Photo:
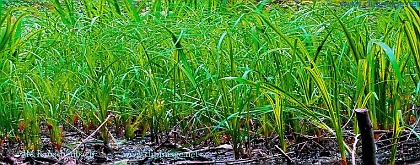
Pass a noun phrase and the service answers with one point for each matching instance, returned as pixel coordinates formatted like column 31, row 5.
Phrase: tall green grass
column 164, row 65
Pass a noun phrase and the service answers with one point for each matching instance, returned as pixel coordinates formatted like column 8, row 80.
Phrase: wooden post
column 366, row 131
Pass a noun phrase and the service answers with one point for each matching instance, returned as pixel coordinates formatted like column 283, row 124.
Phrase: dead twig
column 353, row 152
column 289, row 160
column 86, row 139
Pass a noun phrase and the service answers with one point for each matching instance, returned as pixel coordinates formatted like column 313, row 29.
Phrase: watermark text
column 384, row 4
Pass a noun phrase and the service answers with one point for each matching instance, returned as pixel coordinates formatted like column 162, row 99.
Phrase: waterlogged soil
column 172, row 149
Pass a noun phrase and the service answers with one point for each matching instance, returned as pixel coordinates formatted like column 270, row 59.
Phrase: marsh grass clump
column 212, row 72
